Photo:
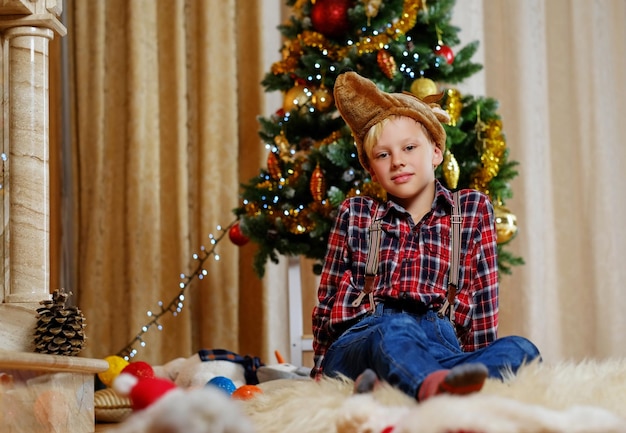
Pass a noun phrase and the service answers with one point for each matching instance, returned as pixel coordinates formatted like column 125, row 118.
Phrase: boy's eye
column 381, row 155
column 410, row 147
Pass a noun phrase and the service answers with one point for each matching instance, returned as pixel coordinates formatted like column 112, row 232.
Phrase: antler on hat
column 362, row 105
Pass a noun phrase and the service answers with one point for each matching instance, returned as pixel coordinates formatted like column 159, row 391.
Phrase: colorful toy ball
column 139, row 369
column 223, row 383
column 246, row 392
column 142, row 391
column 116, row 365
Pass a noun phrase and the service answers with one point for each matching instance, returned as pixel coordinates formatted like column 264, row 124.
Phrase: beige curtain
column 557, row 67
column 162, row 108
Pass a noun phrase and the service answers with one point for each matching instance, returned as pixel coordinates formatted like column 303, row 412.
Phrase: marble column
column 25, row 159
column 26, row 29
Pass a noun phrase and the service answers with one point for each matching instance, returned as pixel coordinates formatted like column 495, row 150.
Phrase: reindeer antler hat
column 362, row 105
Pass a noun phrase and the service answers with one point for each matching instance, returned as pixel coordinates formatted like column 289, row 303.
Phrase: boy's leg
column 402, row 349
column 503, row 357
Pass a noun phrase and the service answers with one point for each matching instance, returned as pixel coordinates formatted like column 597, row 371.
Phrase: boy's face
column 403, row 160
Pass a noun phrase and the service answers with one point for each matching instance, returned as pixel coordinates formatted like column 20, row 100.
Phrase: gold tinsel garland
column 367, row 44
column 492, row 149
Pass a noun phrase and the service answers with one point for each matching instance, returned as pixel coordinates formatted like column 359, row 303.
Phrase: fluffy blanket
column 585, row 397
column 568, row 397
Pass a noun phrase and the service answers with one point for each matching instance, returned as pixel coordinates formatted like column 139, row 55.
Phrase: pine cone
column 60, row 330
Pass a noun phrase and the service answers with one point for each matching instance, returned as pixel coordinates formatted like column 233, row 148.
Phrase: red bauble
column 330, row 17
column 236, row 236
column 445, row 52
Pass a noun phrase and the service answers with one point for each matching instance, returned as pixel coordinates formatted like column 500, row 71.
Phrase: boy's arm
column 484, row 324
column 334, row 270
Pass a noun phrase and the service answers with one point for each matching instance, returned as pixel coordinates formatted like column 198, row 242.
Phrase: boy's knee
column 530, row 351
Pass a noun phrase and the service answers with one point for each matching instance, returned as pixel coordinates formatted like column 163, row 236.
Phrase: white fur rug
column 568, row 398
column 587, row 397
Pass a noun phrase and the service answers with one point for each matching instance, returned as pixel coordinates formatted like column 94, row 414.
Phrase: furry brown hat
column 362, row 105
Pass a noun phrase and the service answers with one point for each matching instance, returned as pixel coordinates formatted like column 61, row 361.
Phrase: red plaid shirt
column 413, row 266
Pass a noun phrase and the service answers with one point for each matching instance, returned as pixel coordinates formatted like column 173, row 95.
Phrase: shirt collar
column 390, row 210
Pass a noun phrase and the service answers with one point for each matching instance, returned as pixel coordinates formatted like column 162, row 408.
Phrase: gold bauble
column 322, row 99
column 450, row 169
column 295, row 97
column 506, row 224
column 423, row 87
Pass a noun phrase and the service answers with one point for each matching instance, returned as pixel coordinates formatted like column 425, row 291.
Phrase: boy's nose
column 397, row 160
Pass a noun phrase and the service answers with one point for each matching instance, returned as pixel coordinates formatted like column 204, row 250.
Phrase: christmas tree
column 401, row 45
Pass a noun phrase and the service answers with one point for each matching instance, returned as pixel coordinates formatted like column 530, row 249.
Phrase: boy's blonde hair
column 372, row 136
column 363, row 105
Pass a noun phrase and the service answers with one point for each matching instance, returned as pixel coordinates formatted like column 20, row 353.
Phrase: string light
column 175, row 306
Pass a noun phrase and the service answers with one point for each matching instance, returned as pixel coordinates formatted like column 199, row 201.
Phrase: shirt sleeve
column 335, row 268
column 484, row 322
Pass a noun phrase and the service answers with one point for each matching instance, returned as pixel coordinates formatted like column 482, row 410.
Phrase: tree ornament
column 453, row 105
column 322, row 99
column 423, row 87
column 492, row 147
column 318, row 184
column 60, row 330
column 386, row 63
column 445, row 52
column 330, row 17
column 451, row 170
column 371, row 8
column 295, row 97
column 273, row 166
column 506, row 224
column 283, row 146
column 236, row 236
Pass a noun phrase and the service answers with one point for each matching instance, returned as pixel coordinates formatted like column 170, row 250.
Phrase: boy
column 400, row 323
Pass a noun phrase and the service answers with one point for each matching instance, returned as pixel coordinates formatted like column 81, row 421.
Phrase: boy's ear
column 437, row 156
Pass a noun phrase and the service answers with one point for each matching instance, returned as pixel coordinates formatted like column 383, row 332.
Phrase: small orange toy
column 246, row 392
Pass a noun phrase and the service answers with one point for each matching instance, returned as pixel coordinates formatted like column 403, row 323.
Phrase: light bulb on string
column 175, row 305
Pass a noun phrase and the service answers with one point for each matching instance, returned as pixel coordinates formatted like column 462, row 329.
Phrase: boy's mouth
column 401, row 177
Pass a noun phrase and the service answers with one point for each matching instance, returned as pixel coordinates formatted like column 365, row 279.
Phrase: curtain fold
column 155, row 135
column 557, row 68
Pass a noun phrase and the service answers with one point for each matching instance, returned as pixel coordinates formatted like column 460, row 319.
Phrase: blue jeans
column 403, row 348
